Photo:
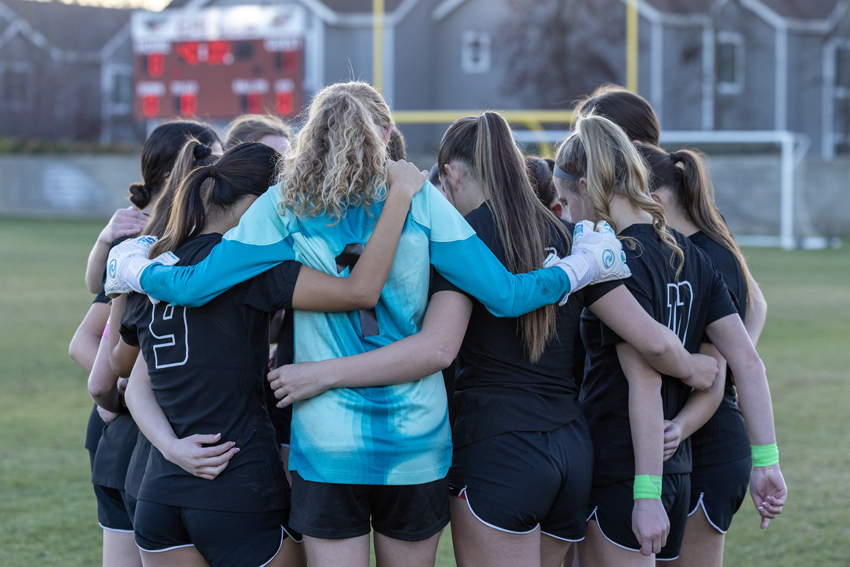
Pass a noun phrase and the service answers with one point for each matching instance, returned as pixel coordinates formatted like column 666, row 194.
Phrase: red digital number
column 188, row 104
column 283, row 103
column 255, row 103
column 150, row 105
column 218, row 50
column 288, row 60
column 156, row 64
column 188, row 52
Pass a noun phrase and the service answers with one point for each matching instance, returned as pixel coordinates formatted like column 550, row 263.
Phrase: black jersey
column 686, row 305
column 724, row 437
column 496, row 388
column 207, row 369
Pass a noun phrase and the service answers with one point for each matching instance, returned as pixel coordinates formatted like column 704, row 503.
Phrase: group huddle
column 556, row 355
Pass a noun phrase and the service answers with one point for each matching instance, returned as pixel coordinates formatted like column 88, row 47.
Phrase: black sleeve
column 133, row 312
column 272, row 290
column 439, row 283
column 721, row 303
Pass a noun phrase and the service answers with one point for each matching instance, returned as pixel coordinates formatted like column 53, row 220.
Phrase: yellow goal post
column 531, row 119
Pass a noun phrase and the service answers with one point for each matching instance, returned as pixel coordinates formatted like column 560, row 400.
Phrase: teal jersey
column 395, row 434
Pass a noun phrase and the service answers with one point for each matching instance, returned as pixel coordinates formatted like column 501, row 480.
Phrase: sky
column 154, row 5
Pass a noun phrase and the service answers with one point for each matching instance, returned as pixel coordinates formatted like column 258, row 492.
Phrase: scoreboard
column 218, row 63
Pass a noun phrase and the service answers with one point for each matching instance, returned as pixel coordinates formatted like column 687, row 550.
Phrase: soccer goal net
column 757, row 176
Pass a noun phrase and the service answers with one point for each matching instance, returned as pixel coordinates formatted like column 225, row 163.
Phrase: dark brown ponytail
column 683, row 174
column 246, row 169
column 525, row 227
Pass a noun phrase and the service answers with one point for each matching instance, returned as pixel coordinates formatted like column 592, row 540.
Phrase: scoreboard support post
column 378, row 45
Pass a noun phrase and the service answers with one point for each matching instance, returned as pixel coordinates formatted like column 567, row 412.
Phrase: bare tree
column 558, row 50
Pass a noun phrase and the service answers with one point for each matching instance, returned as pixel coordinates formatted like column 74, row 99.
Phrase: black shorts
column 720, row 490
column 112, row 510
column 517, row 481
column 413, row 512
column 612, row 507
column 237, row 539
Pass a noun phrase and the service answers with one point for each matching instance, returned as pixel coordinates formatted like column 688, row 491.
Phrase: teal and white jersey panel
column 384, row 435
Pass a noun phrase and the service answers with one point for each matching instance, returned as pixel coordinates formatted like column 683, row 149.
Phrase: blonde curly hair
column 339, row 158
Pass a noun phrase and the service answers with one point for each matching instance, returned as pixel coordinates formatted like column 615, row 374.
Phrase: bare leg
column 180, row 557
column 597, row 551
column 349, row 552
column 478, row 545
column 290, row 554
column 391, row 552
column 555, row 552
column 120, row 550
column 702, row 546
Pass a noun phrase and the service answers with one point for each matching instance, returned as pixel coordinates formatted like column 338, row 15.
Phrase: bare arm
column 103, row 383
column 657, row 344
column 122, row 356
column 190, row 453
column 767, row 486
column 756, row 311
column 317, row 291
column 123, row 223
column 646, row 418
column 86, row 340
column 411, row 358
column 699, row 408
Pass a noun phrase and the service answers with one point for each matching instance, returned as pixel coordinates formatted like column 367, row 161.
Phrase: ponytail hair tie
column 201, row 151
column 675, row 157
column 211, row 171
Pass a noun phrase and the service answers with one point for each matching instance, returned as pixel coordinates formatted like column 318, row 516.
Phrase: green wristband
column 765, row 455
column 647, row 486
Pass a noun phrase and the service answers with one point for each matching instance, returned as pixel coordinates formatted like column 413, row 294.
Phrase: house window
column 16, row 85
column 842, row 67
column 475, row 52
column 122, row 88
column 730, row 63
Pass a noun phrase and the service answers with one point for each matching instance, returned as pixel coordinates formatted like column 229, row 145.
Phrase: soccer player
column 624, row 400
column 376, row 457
column 110, row 453
column 207, row 369
column 721, row 449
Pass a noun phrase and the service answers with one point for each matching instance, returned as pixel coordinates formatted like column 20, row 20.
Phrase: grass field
column 48, row 511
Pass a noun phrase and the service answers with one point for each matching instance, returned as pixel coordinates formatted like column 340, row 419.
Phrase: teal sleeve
column 464, row 260
column 257, row 244
column 472, row 267
column 230, row 263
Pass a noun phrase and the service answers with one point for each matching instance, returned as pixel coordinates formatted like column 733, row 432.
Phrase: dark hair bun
column 201, row 151
column 140, row 195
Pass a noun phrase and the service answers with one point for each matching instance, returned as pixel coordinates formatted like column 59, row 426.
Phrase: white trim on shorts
column 292, row 537
column 561, row 538
column 283, row 534
column 115, row 530
column 166, row 549
column 598, row 525
column 701, row 502
column 462, row 495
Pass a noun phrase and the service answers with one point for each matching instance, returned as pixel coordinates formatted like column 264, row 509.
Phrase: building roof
column 71, row 26
column 793, row 9
column 339, row 6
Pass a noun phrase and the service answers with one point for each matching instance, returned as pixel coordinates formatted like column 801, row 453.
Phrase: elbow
column 366, row 298
column 657, row 348
column 97, row 391
column 445, row 357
